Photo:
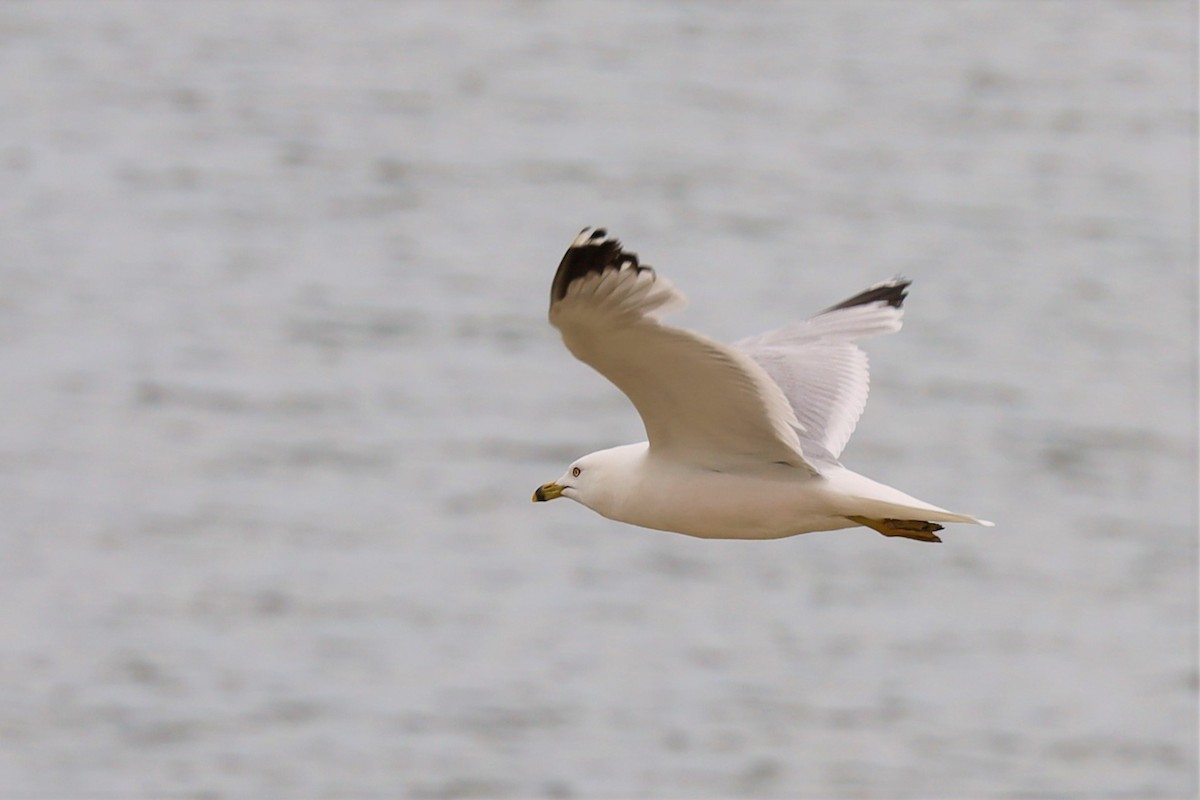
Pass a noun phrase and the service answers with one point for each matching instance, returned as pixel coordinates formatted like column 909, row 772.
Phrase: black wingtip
column 592, row 251
column 891, row 292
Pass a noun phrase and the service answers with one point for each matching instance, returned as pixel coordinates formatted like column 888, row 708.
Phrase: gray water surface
column 278, row 384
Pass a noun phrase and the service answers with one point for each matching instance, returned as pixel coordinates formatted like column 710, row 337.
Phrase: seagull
column 743, row 440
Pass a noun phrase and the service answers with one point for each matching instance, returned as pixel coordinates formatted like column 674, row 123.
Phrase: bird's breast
column 724, row 505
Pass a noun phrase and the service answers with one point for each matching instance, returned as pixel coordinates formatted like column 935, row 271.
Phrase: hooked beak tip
column 547, row 491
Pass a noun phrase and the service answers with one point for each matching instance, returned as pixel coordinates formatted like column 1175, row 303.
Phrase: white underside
column 670, row 496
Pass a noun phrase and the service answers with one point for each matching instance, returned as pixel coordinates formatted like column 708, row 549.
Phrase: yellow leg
column 908, row 528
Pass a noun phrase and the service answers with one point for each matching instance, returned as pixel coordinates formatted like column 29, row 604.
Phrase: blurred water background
column 277, row 386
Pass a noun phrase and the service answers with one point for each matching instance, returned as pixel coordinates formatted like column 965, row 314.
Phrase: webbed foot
column 920, row 530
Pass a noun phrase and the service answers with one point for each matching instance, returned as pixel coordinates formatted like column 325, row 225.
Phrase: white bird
column 743, row 439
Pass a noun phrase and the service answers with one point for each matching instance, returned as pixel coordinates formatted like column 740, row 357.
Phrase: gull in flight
column 743, row 439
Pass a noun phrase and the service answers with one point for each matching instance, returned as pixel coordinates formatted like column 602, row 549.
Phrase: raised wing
column 824, row 375
column 701, row 401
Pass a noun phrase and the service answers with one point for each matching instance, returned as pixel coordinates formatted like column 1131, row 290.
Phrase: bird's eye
column 575, row 472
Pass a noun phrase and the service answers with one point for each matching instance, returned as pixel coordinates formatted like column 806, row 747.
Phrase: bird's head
column 596, row 480
column 574, row 483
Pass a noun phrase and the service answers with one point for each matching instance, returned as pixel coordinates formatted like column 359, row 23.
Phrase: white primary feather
column 702, row 402
column 823, row 374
